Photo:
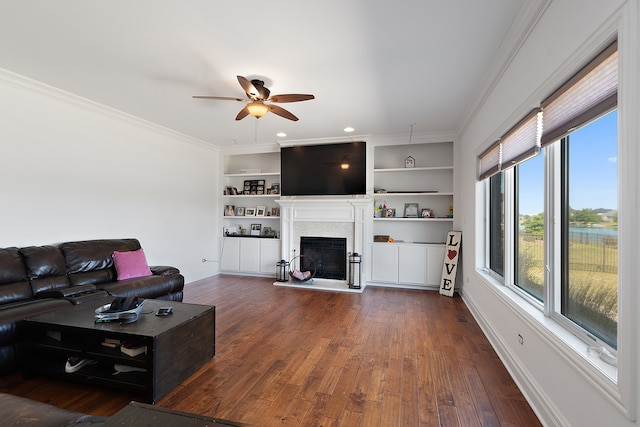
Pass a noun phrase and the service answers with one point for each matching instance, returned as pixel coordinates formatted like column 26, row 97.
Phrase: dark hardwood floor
column 295, row 357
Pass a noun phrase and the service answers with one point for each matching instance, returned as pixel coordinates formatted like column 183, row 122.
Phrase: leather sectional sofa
column 39, row 279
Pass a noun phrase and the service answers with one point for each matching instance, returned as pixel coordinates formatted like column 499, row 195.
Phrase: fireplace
column 346, row 219
column 325, row 255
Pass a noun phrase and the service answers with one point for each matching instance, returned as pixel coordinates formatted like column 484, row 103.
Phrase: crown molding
column 21, row 82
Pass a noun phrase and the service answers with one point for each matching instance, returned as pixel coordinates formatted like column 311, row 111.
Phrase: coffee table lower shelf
column 177, row 346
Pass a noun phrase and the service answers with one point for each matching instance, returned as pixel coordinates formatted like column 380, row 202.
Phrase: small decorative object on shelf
column 379, row 209
column 410, row 210
column 426, row 213
column 409, row 162
column 355, row 270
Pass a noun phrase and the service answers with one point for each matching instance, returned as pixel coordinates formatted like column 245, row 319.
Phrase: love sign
column 450, row 267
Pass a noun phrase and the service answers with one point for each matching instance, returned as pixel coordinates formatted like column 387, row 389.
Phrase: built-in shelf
column 417, row 193
column 251, row 196
column 414, row 219
column 409, row 170
column 248, row 174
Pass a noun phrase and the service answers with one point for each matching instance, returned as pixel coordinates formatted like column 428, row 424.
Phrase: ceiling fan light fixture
column 258, row 109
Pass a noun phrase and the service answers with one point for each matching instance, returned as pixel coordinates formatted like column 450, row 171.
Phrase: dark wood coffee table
column 177, row 345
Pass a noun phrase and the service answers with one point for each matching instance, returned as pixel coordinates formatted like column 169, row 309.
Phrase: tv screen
column 324, row 170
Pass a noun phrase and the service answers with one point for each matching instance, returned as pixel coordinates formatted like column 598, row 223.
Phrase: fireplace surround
column 348, row 218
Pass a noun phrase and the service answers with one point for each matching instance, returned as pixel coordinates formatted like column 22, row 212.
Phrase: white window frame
column 621, row 393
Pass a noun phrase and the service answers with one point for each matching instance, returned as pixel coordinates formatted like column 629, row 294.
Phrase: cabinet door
column 435, row 259
column 412, row 264
column 269, row 255
column 250, row 255
column 384, row 263
column 230, row 259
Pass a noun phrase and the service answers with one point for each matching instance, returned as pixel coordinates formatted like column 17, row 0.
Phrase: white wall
column 73, row 170
column 555, row 380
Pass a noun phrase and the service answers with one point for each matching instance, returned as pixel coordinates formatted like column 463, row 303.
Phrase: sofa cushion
column 14, row 284
column 11, row 315
column 91, row 261
column 131, row 264
column 145, row 287
column 46, row 268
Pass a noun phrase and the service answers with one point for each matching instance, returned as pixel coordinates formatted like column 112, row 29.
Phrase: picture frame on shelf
column 411, row 210
column 230, row 191
column 255, row 229
column 426, row 213
column 260, row 211
column 275, row 211
column 229, row 210
column 389, row 213
column 250, row 212
column 275, row 188
column 240, row 211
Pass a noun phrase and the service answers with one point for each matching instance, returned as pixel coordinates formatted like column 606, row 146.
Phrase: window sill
column 588, row 364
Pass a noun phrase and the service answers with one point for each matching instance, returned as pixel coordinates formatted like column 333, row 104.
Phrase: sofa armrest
column 163, row 270
column 67, row 292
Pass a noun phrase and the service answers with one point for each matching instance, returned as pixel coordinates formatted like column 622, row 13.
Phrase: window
column 590, row 218
column 559, row 202
column 529, row 233
column 496, row 224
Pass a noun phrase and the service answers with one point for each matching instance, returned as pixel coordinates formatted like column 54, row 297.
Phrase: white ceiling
column 379, row 66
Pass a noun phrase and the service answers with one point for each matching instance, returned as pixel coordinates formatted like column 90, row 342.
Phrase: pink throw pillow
column 131, row 264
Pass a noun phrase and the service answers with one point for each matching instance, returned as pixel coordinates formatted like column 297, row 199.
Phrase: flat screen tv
column 324, row 170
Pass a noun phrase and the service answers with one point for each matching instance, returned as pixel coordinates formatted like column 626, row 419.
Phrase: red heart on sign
column 452, row 254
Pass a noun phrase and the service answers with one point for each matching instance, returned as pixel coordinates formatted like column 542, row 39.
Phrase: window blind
column 489, row 161
column 590, row 93
column 521, row 142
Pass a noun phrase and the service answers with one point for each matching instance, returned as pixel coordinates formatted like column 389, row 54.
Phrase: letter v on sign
column 450, row 265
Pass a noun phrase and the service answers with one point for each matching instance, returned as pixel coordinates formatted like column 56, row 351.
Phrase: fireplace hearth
column 326, row 255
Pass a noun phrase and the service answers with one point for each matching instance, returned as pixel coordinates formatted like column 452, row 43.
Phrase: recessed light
column 281, row 134
column 349, row 129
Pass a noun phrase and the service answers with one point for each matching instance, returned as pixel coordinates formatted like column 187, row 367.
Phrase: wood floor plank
column 286, row 356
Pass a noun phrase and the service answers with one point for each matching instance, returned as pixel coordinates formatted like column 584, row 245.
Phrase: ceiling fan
column 258, row 95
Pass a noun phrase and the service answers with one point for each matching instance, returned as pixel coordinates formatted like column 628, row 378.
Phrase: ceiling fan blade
column 224, row 98
column 249, row 88
column 282, row 112
column 242, row 114
column 291, row 97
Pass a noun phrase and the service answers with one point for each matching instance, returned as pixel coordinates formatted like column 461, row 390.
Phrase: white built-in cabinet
column 405, row 175
column 406, row 264
column 249, row 255
column 249, row 183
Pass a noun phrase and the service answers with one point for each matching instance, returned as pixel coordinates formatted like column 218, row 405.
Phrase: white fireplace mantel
column 351, row 217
